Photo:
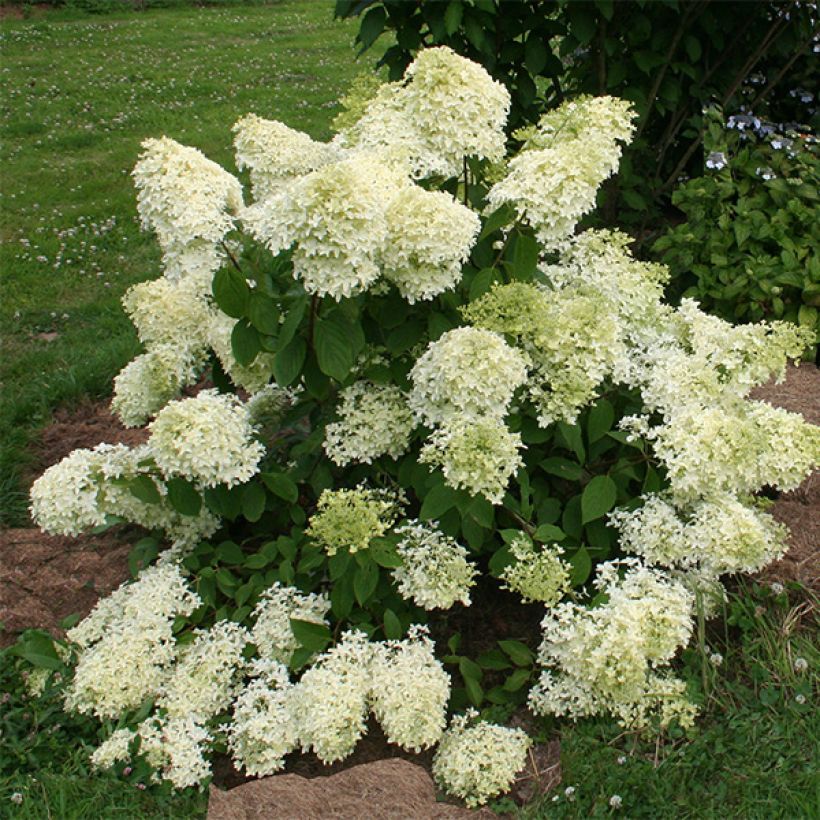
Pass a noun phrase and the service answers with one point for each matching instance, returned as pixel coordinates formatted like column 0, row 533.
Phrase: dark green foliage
column 668, row 57
column 748, row 248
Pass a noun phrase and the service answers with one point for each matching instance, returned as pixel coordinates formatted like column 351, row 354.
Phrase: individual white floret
column 208, row 439
column 479, row 761
column 434, row 572
column 374, row 420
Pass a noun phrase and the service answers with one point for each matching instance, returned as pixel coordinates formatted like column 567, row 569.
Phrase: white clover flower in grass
column 335, row 219
column 479, row 456
column 409, row 691
column 430, row 236
column 349, row 519
column 272, row 632
column 468, row 372
column 330, row 701
column 148, row 382
column 536, row 575
column 606, row 659
column 553, row 181
column 207, row 675
column 208, row 439
column 127, row 647
column 263, row 730
column 477, row 762
column 374, row 420
column 252, row 377
column 188, row 201
column 434, row 572
column 274, row 153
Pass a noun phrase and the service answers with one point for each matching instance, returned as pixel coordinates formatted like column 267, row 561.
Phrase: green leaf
column 365, row 581
column 693, row 48
column 452, row 16
column 535, row 53
column 440, row 499
column 230, row 553
column 183, row 496
column 281, row 485
column 372, row 26
column 253, row 502
column 497, row 219
column 562, row 467
column 405, row 336
column 493, row 659
column 263, row 313
column 474, row 691
column 312, row 636
column 581, row 567
column 469, row 669
column 257, row 561
column 392, row 625
column 288, row 362
column 582, row 21
column 517, row 679
column 144, row 488
column 519, row 653
column 601, row 418
column 549, row 533
column 598, row 498
column 334, row 350
column 525, row 257
column 482, row 512
column 245, row 342
column 292, row 321
column 384, row 553
column 231, row 292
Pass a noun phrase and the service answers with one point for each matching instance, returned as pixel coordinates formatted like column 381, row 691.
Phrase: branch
column 231, row 257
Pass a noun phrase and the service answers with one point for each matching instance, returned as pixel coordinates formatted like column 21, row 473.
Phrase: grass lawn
column 79, row 95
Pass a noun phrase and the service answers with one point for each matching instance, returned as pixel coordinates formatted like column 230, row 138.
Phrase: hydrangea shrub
column 426, row 386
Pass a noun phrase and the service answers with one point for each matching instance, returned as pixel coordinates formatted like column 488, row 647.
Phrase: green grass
column 79, row 95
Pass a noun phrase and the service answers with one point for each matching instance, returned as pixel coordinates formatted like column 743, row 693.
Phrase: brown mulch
column 798, row 510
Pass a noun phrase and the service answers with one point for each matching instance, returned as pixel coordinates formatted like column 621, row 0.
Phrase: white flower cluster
column 374, row 420
column 349, row 519
column 552, row 182
column 89, row 486
column 409, row 691
column 434, row 572
column 476, row 762
column 188, row 201
column 605, row 659
column 540, row 575
column 272, row 631
column 275, row 153
column 447, row 108
column 717, row 536
column 126, row 645
column 208, row 439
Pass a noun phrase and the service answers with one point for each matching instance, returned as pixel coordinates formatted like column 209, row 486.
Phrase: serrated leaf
column 263, row 313
column 598, row 498
column 562, row 467
column 384, row 553
column 549, row 533
column 601, row 418
column 144, row 488
column 437, row 502
column 281, row 485
column 253, row 502
column 230, row 553
column 231, row 292
column 310, row 635
column 525, row 257
column 245, row 343
column 581, row 567
column 289, row 361
column 334, row 351
column 365, row 581
column 519, row 653
column 183, row 496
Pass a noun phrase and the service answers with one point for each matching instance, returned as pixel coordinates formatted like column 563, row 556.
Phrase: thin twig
column 231, row 256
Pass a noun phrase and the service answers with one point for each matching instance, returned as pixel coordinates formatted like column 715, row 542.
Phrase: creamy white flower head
column 469, row 373
column 409, row 691
column 272, row 631
column 434, row 572
column 251, row 377
column 208, row 439
column 187, row 200
column 330, row 702
column 374, row 420
column 335, row 220
column 208, row 673
column 479, row 761
column 605, row 659
column 430, row 238
column 176, row 747
column 126, row 645
column 263, row 730
column 274, row 153
column 148, row 382
column 350, row 519
column 553, row 181
column 169, row 313
column 540, row 575
column 115, row 749
column 479, row 456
